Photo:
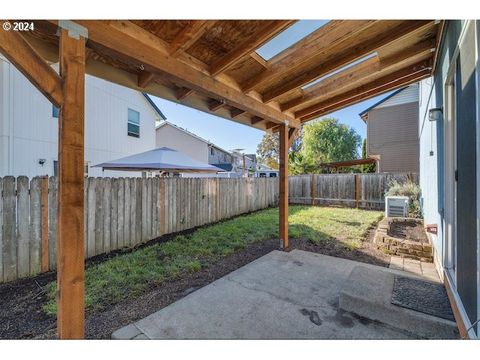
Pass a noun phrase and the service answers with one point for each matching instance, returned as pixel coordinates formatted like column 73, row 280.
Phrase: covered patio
column 211, row 66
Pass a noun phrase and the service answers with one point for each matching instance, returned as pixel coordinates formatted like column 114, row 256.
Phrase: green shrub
column 410, row 189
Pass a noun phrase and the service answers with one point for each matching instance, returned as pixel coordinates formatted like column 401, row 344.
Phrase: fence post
column 358, row 190
column 45, row 261
column 313, row 188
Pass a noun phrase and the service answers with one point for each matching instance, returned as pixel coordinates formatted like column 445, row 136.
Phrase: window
column 133, row 123
column 55, row 111
column 273, row 175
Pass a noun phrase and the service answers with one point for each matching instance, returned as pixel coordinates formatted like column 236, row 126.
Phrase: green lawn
column 131, row 274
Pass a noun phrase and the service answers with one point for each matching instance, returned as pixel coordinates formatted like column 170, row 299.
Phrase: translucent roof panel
column 369, row 56
column 288, row 37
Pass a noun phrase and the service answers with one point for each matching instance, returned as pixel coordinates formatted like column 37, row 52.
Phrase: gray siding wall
column 392, row 133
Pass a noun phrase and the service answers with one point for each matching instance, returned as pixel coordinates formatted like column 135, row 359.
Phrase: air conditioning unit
column 396, row 206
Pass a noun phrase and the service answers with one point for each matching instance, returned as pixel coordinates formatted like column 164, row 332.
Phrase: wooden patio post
column 70, row 243
column 284, row 146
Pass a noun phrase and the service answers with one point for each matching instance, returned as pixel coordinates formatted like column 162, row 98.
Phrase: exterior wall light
column 435, row 114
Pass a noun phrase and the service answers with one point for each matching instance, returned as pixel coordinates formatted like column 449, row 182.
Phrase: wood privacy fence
column 366, row 191
column 125, row 212
column 119, row 213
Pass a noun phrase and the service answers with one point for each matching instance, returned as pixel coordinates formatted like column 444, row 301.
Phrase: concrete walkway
column 278, row 296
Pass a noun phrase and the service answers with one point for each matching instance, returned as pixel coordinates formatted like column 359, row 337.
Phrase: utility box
column 396, row 206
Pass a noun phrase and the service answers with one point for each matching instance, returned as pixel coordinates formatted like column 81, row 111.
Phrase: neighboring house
column 392, row 136
column 265, row 171
column 244, row 164
column 449, row 131
column 175, row 137
column 118, row 122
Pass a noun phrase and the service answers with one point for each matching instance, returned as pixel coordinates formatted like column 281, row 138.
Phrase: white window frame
column 132, row 134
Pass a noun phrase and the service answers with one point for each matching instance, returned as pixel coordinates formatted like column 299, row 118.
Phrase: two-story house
column 392, row 131
column 177, row 138
column 118, row 122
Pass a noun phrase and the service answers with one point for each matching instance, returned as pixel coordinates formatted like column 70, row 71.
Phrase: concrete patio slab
column 368, row 293
column 281, row 295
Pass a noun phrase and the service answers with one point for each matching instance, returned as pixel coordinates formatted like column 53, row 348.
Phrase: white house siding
column 29, row 132
column 429, row 169
column 409, row 95
column 170, row 136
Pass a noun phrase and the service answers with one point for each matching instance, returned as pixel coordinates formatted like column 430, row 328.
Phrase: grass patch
column 131, row 274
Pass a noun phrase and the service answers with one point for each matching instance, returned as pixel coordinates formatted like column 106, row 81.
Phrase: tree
column 298, row 164
column 327, row 140
column 268, row 149
column 367, row 168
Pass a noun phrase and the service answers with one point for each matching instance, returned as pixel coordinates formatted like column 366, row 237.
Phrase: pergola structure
column 211, row 66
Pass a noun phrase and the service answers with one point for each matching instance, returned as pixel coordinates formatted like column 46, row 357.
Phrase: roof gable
column 404, row 95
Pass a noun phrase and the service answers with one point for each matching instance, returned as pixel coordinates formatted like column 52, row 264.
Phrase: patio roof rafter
column 297, row 77
column 133, row 43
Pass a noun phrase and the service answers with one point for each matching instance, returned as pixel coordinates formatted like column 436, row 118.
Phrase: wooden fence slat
column 138, row 210
column 99, row 216
column 106, row 207
column 52, row 221
column 37, row 249
column 91, row 208
column 124, row 212
column 9, row 225
column 23, row 227
column 114, row 214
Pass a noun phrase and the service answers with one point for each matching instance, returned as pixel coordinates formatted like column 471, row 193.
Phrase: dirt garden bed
column 405, row 237
column 23, row 316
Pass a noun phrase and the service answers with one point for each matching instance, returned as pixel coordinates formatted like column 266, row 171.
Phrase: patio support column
column 283, row 206
column 70, row 232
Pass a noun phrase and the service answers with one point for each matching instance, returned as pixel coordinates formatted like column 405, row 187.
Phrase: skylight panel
column 288, row 37
column 365, row 58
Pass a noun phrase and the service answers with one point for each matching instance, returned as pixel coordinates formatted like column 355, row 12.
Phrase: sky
column 230, row 135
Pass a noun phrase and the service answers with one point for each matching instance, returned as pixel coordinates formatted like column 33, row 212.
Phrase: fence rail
column 125, row 212
column 119, row 213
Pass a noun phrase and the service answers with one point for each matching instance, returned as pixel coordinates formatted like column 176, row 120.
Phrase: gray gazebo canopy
column 161, row 159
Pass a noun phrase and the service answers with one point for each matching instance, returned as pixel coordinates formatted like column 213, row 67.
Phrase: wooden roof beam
column 362, row 71
column 255, row 120
column 189, row 36
column 144, row 78
column 216, row 105
column 236, row 112
column 19, row 52
column 265, row 33
column 183, row 93
column 132, row 42
column 326, row 36
column 389, row 82
column 351, row 54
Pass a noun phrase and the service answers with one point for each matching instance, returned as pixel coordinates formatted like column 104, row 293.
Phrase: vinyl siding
column 408, row 95
column 28, row 132
column 392, row 133
column 177, row 139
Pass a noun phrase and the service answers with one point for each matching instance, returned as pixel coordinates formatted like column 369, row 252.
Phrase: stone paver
column 419, row 268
